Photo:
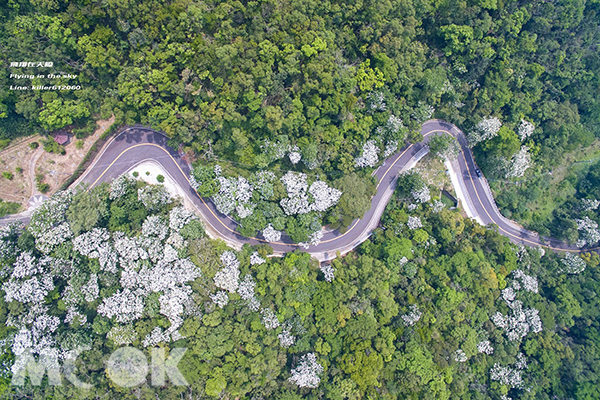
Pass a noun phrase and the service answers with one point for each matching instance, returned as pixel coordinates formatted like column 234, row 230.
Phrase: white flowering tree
column 228, row 277
column 485, row 347
column 506, row 375
column 324, row 196
column 421, row 194
column 256, row 259
column 376, row 101
column 221, row 298
column 154, row 197
column 306, row 373
column 294, row 155
column 414, row 222
column 369, row 156
column 234, row 195
column 589, row 232
column 518, row 164
column 460, row 356
column 525, row 129
column 413, row 316
column 269, row 319
column 286, row 339
column 328, row 272
column 486, row 129
column 520, row 320
column 573, row 264
column 589, row 204
column 270, row 234
column 134, row 269
column 120, row 186
column 390, row 147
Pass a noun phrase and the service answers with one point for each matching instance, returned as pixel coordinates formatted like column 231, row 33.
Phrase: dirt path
column 32, row 162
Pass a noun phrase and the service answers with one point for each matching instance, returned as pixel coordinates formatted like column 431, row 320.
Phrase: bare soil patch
column 26, row 163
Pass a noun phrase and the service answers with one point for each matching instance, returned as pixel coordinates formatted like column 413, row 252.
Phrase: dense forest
column 326, row 76
column 433, row 306
column 286, row 108
column 329, row 82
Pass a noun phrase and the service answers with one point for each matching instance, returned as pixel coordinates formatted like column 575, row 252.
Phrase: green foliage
column 34, row 145
column 43, row 187
column 355, row 201
column 7, row 175
column 160, row 178
column 451, row 269
column 52, row 147
column 8, row 208
column 369, row 78
column 505, row 144
column 88, row 209
column 444, row 146
column 205, row 176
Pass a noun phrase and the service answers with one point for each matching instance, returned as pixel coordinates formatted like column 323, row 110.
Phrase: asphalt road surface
column 138, row 144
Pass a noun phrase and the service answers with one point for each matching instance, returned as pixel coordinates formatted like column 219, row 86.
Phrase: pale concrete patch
column 461, row 191
column 148, row 171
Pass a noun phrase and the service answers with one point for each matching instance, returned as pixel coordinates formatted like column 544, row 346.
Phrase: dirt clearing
column 25, row 164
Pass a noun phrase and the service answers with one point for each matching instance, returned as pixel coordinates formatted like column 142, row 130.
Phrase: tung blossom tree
column 270, row 234
column 306, row 374
column 573, row 264
column 589, row 232
column 525, row 129
column 486, row 129
column 323, row 195
column 413, row 316
column 228, row 277
column 518, row 164
column 369, row 156
column 485, row 347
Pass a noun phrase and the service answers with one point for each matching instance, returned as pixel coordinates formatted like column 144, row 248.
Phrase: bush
column 52, row 147
column 8, row 175
column 7, row 208
column 19, row 170
column 34, row 145
column 86, row 130
column 160, row 178
column 4, row 143
column 136, row 174
column 79, row 144
column 43, row 187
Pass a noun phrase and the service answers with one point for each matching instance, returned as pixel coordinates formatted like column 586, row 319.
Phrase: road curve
column 135, row 144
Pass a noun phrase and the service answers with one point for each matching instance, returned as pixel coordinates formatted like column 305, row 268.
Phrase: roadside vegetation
column 431, row 306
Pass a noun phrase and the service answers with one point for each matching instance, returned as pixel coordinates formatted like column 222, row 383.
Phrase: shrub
column 79, row 144
column 7, row 208
column 52, row 147
column 43, row 187
column 136, row 174
column 160, row 178
column 34, row 145
column 19, row 170
column 7, row 175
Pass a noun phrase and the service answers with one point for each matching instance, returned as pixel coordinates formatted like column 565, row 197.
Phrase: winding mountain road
column 138, row 144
